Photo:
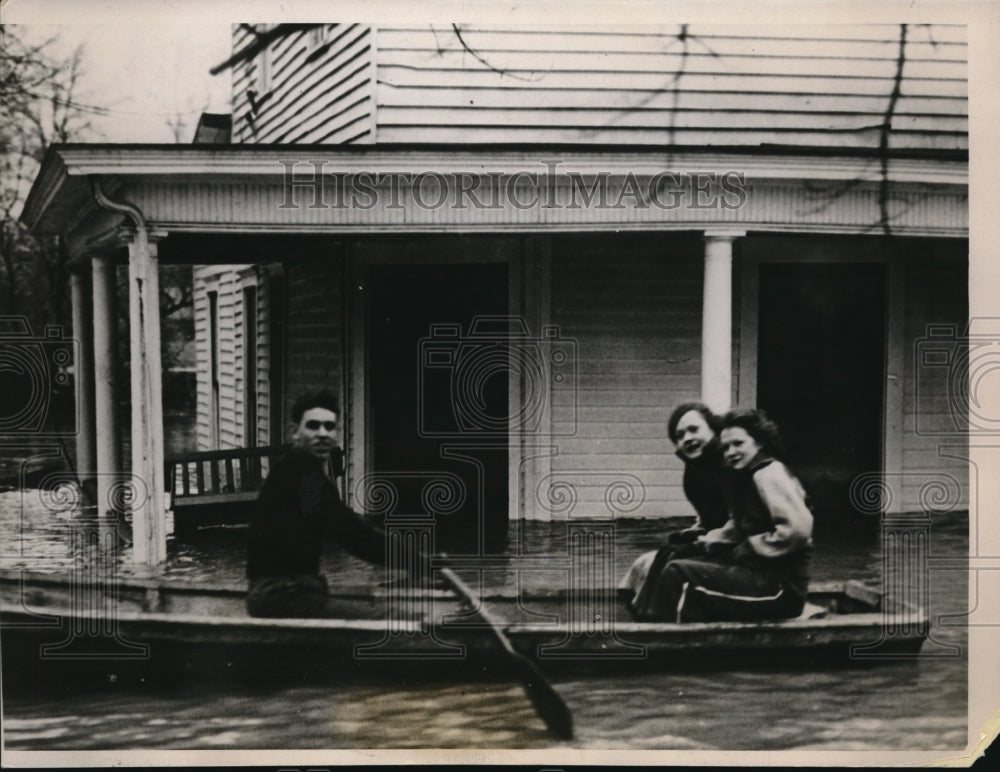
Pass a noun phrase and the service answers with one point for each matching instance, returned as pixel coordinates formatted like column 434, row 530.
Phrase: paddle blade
column 547, row 702
column 552, row 709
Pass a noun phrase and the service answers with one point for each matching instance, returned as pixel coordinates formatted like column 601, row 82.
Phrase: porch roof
column 61, row 198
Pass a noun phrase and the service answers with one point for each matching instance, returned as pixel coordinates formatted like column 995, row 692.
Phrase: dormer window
column 262, row 77
column 317, row 37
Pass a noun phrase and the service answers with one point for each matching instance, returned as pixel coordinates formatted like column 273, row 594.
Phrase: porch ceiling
column 240, row 187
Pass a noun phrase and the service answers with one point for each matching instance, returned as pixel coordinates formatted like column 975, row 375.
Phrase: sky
column 147, row 76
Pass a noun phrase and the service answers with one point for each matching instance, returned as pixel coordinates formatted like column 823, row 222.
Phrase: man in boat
column 299, row 504
column 693, row 428
column 756, row 566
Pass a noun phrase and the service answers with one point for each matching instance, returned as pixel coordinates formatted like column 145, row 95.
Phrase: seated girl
column 756, row 566
column 693, row 428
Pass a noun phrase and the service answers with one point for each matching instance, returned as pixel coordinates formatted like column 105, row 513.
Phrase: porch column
column 83, row 379
column 109, row 461
column 148, row 512
column 717, row 320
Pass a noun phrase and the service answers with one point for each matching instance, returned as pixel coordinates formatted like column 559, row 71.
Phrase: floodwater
column 892, row 705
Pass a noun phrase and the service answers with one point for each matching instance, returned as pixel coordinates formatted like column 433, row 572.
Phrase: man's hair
column 756, row 423
column 318, row 398
column 679, row 412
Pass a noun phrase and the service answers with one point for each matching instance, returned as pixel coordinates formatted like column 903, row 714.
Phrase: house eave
column 61, row 187
column 49, row 183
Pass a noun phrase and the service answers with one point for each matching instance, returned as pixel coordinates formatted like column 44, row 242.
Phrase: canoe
column 145, row 627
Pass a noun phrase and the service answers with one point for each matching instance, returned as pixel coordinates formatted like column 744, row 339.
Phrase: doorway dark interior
column 438, row 426
column 820, row 371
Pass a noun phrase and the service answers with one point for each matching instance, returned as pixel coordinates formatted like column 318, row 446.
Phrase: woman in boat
column 756, row 566
column 693, row 428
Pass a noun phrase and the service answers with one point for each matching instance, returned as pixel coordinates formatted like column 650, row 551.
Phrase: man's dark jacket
column 297, row 506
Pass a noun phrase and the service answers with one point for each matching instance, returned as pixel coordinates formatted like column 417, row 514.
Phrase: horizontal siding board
column 940, row 33
column 697, row 84
column 635, row 368
column 585, row 118
column 593, row 446
column 638, row 354
column 534, row 67
column 727, row 136
column 785, row 81
column 623, row 416
column 518, row 97
column 654, row 428
column 611, row 379
column 774, row 39
column 612, row 463
column 625, row 398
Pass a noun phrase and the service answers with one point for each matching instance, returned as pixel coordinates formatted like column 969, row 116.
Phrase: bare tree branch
column 885, row 131
column 37, row 107
column 482, row 60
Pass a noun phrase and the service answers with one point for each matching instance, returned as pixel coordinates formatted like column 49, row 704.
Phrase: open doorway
column 438, row 401
column 820, row 372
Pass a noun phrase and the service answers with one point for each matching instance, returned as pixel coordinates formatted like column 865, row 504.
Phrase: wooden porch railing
column 216, row 487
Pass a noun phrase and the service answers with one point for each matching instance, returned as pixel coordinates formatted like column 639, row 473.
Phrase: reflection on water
column 359, row 716
column 913, row 705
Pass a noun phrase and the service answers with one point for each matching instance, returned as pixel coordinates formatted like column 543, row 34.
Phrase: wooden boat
column 145, row 627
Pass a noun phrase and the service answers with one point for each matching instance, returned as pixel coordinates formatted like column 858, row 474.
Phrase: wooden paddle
column 549, row 706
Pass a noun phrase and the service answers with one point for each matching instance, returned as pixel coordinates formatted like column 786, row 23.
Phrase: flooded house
column 513, row 251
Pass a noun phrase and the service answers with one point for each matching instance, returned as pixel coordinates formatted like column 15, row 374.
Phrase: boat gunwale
column 181, row 586
column 901, row 612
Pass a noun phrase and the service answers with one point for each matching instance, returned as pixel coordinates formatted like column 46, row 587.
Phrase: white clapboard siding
column 629, row 89
column 789, row 85
column 234, row 372
column 229, row 338
column 531, row 67
column 875, row 39
column 200, row 287
column 632, row 304
column 607, row 99
column 263, row 354
column 797, row 85
column 227, row 282
column 324, row 96
column 936, row 281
